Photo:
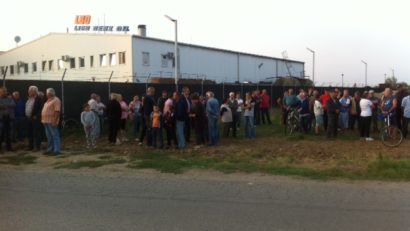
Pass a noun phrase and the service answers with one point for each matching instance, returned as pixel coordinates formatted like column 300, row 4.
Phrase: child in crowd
column 156, row 127
column 88, row 119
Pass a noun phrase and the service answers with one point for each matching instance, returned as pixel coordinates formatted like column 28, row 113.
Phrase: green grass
column 382, row 168
column 19, row 159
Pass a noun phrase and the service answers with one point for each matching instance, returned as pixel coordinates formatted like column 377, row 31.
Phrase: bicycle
column 292, row 121
column 391, row 135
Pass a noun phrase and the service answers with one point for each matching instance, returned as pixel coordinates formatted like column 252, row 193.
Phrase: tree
column 391, row 82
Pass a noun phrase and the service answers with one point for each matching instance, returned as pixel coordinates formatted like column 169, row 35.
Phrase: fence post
column 62, row 94
column 4, row 76
column 109, row 85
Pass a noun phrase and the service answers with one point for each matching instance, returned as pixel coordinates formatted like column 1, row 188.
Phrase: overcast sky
column 341, row 32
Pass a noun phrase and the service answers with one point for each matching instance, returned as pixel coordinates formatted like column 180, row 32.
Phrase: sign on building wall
column 83, row 23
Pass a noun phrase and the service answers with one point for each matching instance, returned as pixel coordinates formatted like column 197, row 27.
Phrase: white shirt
column 240, row 104
column 365, row 107
column 93, row 104
column 318, row 108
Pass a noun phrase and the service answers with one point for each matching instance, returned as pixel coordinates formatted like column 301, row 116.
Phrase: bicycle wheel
column 391, row 136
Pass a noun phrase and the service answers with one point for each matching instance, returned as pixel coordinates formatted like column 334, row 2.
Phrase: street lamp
column 365, row 73
column 313, row 71
column 342, row 80
column 176, row 50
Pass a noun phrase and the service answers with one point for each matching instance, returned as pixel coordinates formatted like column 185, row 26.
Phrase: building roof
column 158, row 40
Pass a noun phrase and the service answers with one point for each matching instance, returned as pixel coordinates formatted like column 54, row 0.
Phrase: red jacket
column 265, row 101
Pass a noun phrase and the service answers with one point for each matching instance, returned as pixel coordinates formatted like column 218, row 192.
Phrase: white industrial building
column 135, row 58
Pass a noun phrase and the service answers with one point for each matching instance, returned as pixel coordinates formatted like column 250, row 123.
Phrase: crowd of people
column 178, row 114
column 335, row 110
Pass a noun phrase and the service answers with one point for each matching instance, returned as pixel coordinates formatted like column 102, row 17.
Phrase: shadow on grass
column 90, row 163
column 19, row 159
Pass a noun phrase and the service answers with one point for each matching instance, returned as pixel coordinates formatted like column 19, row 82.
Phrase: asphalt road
column 65, row 201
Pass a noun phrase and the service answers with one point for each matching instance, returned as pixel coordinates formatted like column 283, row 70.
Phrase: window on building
column 60, row 64
column 50, row 65
column 164, row 61
column 91, row 61
column 26, row 68
column 103, row 60
column 113, row 59
column 81, row 62
column 145, row 58
column 43, row 65
column 72, row 63
column 121, row 57
column 11, row 69
column 34, row 67
column 2, row 70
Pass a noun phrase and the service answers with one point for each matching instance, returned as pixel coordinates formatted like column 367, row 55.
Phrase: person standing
column 376, row 101
column 239, row 110
column 135, row 108
column 346, row 103
column 7, row 106
column 233, row 105
column 212, row 110
column 34, row 106
column 304, row 113
column 198, row 115
column 333, row 110
column 101, row 110
column 50, row 117
column 366, row 107
column 156, row 122
column 162, row 100
column 405, row 104
column 94, row 108
column 19, row 124
column 181, row 114
column 265, row 106
column 226, row 117
column 389, row 106
column 148, row 106
column 318, row 111
column 88, row 119
column 124, row 117
column 114, row 113
column 248, row 107
column 187, row 129
column 324, row 99
column 257, row 109
column 355, row 111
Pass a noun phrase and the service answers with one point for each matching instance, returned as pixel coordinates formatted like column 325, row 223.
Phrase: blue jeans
column 157, row 136
column 344, row 120
column 180, row 133
column 137, row 125
column 53, row 139
column 213, row 130
column 250, row 131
